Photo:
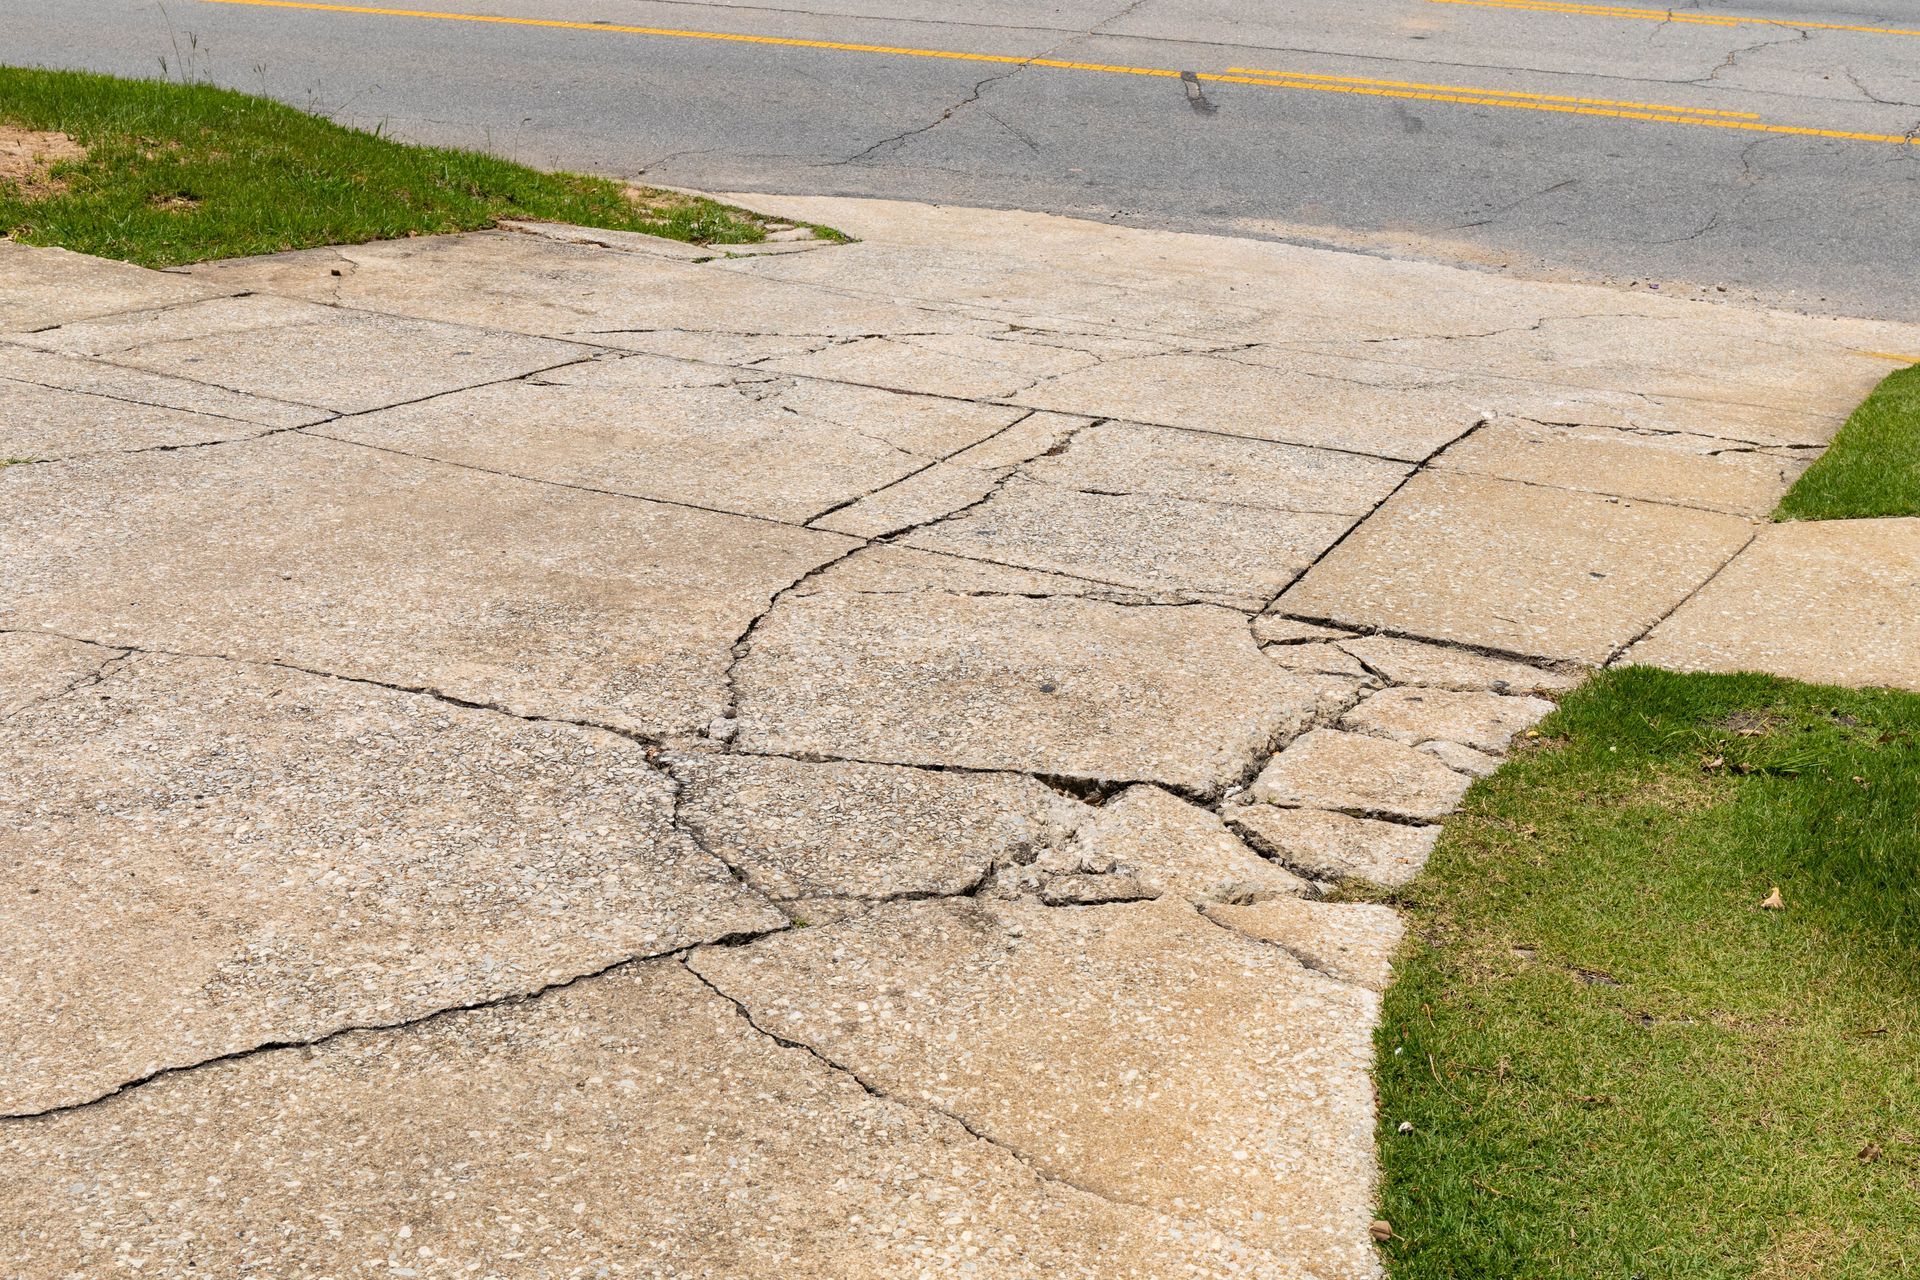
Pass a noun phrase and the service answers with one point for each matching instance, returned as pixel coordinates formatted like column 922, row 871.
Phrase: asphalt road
column 1687, row 150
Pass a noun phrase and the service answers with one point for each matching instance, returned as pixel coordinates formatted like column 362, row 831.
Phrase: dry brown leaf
column 1381, row 1230
column 1773, row 901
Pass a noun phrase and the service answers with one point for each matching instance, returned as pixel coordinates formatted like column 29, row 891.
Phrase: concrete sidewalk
column 532, row 754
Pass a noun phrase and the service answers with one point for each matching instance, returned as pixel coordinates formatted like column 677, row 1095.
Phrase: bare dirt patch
column 27, row 157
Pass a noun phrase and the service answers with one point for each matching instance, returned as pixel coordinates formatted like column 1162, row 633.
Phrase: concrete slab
column 959, row 481
column 797, row 829
column 1188, row 1069
column 887, row 568
column 1170, row 846
column 1516, row 567
column 330, row 357
column 1335, row 846
column 783, row 449
column 1554, row 405
column 525, row 284
column 206, row 856
column 1357, row 406
column 969, row 366
column 42, row 424
column 597, row 1129
column 1834, row 602
column 1690, row 471
column 58, row 405
column 1483, row 721
column 1351, row 941
column 46, row 287
column 1077, row 687
column 1119, row 457
column 1240, row 556
column 1360, row 775
column 1734, row 355
column 543, row 600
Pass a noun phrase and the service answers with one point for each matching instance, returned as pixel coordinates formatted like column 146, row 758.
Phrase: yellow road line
column 1683, row 17
column 1475, row 98
column 1557, row 108
column 1493, row 93
column 1894, row 356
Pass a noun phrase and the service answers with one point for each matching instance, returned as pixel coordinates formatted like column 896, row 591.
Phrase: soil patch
column 27, row 157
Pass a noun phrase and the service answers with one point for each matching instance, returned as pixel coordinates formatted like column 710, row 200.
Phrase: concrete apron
column 533, row 754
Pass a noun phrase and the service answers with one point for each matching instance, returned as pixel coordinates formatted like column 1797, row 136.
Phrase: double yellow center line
column 1507, row 99
column 1683, row 17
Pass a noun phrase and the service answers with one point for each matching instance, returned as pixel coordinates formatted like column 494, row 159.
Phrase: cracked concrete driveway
column 531, row 758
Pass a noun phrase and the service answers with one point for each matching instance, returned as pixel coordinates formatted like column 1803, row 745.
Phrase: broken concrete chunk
column 1483, row 721
column 1134, row 1049
column 1318, row 659
column 1330, row 769
column 799, row 830
column 633, row 1123
column 203, row 856
column 1334, row 846
column 1465, row 759
column 1351, row 941
column 1178, row 848
column 1447, row 667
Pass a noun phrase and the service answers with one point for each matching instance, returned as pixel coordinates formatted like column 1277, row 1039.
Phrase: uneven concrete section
column 1543, row 572
column 330, row 357
column 205, row 856
column 355, row 561
column 1186, row 1070
column 1053, row 685
column 1837, row 602
column 535, row 753
column 635, row 1120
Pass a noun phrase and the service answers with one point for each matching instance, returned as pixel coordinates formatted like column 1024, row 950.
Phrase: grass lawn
column 1873, row 468
column 177, row 173
column 1615, row 1062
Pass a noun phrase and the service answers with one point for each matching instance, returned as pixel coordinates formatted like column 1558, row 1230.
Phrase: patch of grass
column 1615, row 1062
column 178, row 173
column 1873, row 466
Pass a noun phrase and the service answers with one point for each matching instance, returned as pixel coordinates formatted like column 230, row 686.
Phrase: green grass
column 178, row 173
column 1873, row 467
column 1615, row 1063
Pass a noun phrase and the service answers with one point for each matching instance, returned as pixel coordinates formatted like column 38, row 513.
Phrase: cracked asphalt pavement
column 543, row 753
column 1762, row 147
